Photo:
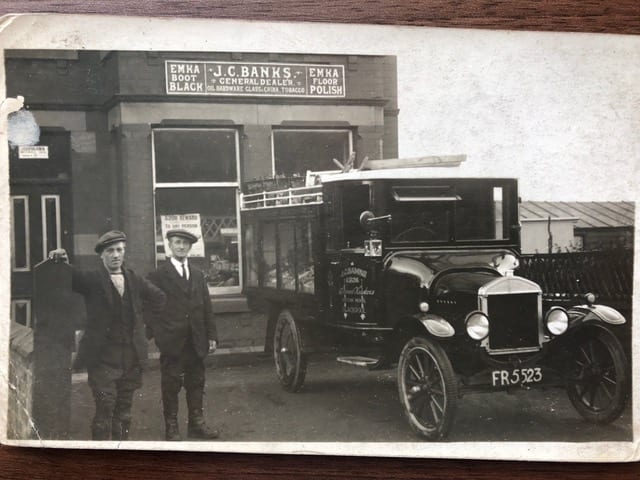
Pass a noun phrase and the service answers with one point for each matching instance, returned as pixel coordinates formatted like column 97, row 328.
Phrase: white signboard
column 189, row 222
column 37, row 151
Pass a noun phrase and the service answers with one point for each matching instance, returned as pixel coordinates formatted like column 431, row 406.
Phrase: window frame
column 43, row 206
column 220, row 185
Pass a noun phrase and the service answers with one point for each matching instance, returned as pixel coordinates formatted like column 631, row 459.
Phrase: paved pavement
column 345, row 403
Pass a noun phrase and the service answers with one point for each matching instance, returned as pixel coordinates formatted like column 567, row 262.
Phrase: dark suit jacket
column 187, row 312
column 96, row 287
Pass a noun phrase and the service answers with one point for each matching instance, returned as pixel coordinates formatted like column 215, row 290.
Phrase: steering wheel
column 418, row 229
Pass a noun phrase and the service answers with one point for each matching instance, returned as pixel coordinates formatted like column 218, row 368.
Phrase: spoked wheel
column 291, row 362
column 427, row 387
column 598, row 378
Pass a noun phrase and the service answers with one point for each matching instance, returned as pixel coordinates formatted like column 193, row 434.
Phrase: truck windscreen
column 443, row 213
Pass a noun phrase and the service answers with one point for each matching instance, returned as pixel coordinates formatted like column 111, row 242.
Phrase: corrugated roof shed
column 589, row 214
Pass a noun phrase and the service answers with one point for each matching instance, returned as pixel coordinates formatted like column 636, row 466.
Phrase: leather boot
column 100, row 431
column 120, row 429
column 198, row 427
column 172, row 432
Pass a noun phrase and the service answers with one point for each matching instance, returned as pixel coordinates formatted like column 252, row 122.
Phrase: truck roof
column 397, row 173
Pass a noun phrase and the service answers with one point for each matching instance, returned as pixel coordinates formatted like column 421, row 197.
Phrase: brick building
column 142, row 141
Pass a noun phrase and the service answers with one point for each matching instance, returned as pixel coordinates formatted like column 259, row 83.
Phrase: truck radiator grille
column 513, row 321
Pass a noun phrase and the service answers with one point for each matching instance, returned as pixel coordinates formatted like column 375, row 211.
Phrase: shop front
column 158, row 140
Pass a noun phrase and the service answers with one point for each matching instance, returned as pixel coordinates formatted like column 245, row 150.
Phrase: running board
column 358, row 361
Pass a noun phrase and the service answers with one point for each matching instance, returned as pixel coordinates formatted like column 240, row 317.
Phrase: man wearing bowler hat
column 114, row 345
column 185, row 333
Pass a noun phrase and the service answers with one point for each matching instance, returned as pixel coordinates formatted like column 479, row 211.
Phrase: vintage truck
column 398, row 263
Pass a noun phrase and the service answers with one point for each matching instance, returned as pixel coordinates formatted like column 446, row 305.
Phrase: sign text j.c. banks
column 254, row 79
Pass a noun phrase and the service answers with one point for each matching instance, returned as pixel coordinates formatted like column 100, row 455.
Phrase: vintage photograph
column 418, row 245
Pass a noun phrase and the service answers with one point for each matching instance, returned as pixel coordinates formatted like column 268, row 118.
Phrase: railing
column 282, row 198
column 568, row 276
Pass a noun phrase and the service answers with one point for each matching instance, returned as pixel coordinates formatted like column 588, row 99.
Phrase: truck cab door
column 351, row 277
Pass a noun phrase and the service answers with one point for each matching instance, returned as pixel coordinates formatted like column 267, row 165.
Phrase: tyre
column 427, row 387
column 291, row 362
column 598, row 381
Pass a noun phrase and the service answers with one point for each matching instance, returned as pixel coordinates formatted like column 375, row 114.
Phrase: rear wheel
column 427, row 387
column 598, row 379
column 291, row 362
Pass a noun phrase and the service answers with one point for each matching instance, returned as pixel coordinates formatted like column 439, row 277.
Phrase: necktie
column 184, row 271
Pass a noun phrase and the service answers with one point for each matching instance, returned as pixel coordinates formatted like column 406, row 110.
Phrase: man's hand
column 59, row 254
column 212, row 346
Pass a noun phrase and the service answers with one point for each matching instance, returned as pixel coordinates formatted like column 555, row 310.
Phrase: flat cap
column 114, row 236
column 182, row 233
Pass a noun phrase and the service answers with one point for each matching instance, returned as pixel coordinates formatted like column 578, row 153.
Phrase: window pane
column 477, row 214
column 355, row 200
column 498, row 202
column 195, row 155
column 304, row 258
column 250, row 248
column 269, row 255
column 20, row 233
column 287, row 255
column 420, row 221
column 22, row 312
column 216, row 209
column 296, row 151
column 51, row 222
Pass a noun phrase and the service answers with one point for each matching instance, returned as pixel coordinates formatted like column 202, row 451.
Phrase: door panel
column 39, row 223
column 353, row 284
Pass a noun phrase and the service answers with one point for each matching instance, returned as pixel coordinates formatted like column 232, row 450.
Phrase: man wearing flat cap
column 114, row 345
column 185, row 333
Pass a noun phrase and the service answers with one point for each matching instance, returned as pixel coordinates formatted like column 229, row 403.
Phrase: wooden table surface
column 610, row 16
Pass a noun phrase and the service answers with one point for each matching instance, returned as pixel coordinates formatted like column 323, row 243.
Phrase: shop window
column 196, row 187
column 199, row 155
column 50, row 224
column 21, row 312
column 20, row 261
column 295, row 151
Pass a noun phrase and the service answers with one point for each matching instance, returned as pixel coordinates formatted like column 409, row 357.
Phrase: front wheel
column 598, row 380
column 291, row 362
column 427, row 387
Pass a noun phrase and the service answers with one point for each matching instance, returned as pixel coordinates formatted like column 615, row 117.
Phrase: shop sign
column 189, row 222
column 254, row 79
column 36, row 151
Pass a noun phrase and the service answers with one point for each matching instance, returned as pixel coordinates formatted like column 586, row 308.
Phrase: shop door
column 40, row 210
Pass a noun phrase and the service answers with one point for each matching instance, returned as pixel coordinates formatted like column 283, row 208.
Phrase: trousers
column 113, row 381
column 186, row 369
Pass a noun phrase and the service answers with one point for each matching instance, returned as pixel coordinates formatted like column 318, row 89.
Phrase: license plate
column 517, row 376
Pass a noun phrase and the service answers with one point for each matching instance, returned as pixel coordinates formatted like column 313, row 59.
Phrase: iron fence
column 569, row 276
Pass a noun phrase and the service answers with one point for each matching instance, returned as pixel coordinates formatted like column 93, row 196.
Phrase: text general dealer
column 322, row 81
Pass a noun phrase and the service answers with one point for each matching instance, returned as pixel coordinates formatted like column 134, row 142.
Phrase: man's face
column 179, row 247
column 113, row 256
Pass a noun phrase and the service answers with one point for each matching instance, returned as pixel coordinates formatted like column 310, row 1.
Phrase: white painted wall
column 535, row 235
